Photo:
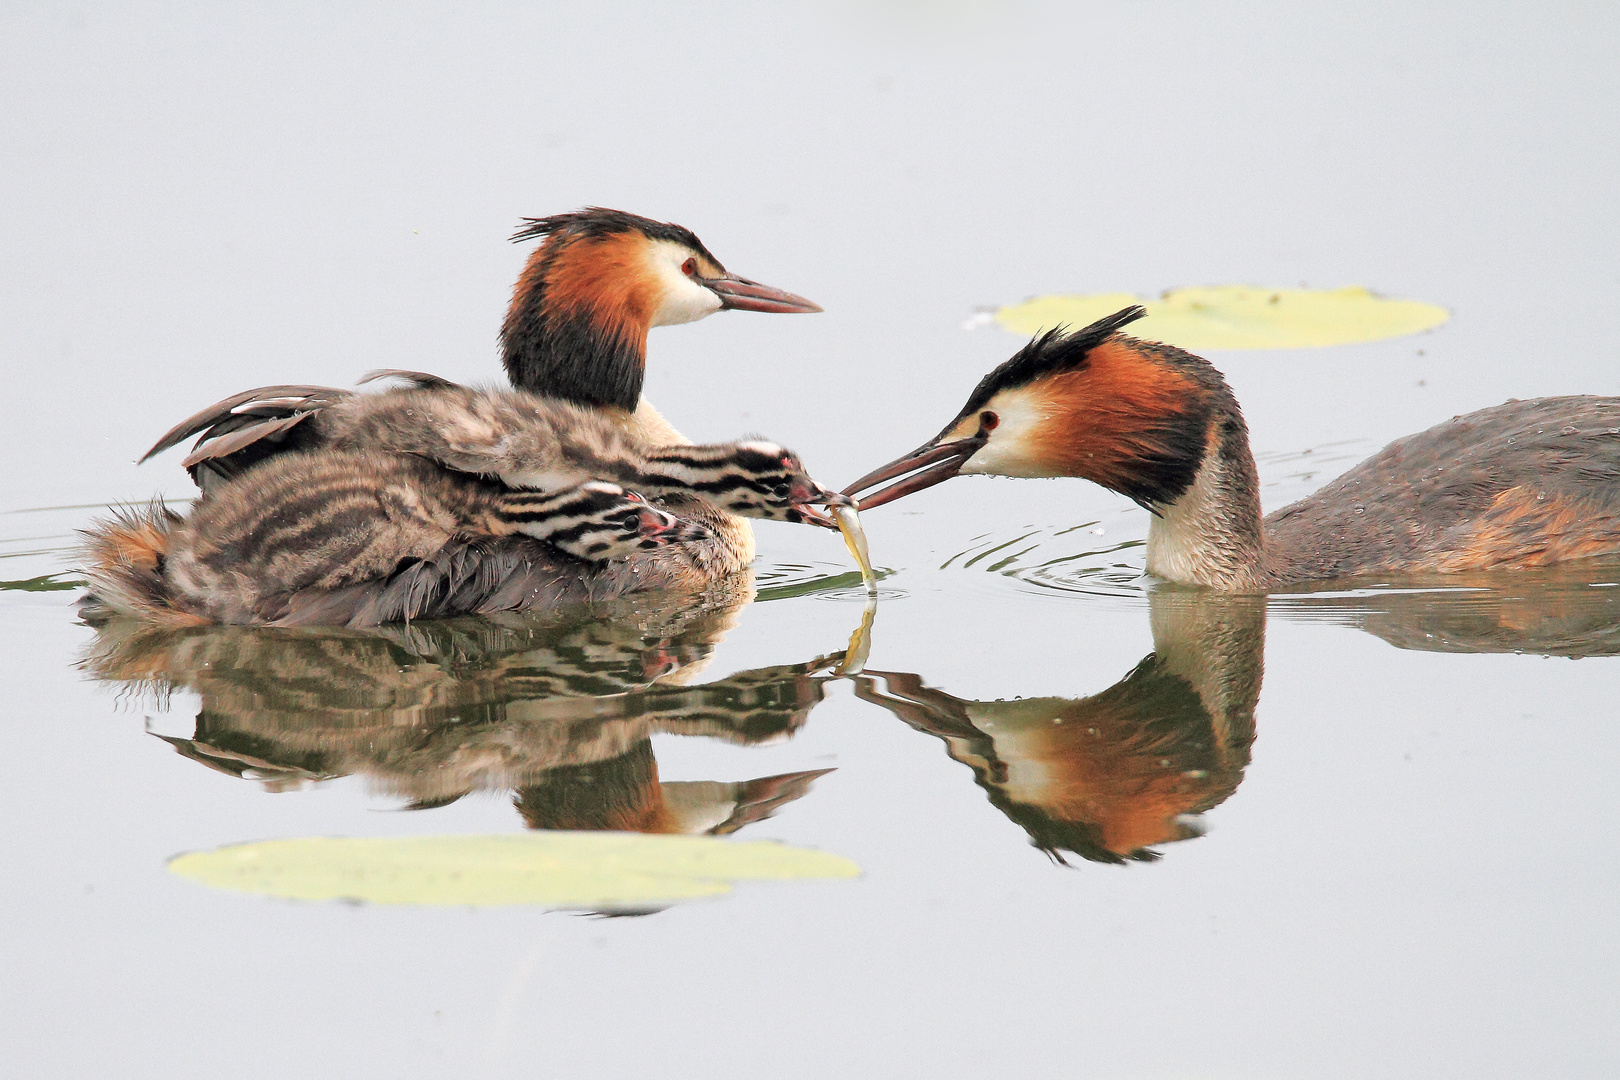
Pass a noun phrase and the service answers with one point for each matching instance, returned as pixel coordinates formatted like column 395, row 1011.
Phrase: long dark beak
column 930, row 464
column 740, row 294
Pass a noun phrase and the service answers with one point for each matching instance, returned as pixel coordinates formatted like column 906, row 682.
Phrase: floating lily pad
column 1238, row 316
column 553, row 869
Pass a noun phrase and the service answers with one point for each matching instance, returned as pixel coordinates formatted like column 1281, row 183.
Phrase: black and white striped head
column 757, row 479
column 597, row 521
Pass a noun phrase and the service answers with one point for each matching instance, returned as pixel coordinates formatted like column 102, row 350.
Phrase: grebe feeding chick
column 1525, row 484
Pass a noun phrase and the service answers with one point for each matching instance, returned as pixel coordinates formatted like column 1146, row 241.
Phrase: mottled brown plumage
column 1524, row 484
column 326, row 521
column 441, row 472
column 576, row 333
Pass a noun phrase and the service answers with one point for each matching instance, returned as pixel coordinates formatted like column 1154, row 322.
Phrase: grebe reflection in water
column 559, row 711
column 1109, row 777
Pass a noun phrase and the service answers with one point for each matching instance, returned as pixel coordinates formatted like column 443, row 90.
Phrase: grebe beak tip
column 740, row 294
column 930, row 464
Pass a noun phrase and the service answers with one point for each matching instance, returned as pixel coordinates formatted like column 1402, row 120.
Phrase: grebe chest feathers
column 1527, row 483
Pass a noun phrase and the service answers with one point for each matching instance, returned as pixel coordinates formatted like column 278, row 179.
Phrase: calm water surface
column 1364, row 830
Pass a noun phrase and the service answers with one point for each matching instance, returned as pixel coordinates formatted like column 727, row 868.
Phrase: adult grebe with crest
column 1523, row 484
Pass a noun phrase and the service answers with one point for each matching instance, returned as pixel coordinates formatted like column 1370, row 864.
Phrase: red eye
column 689, row 268
column 988, row 420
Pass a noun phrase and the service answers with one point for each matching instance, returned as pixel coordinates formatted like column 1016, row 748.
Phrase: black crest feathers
column 1047, row 354
column 597, row 222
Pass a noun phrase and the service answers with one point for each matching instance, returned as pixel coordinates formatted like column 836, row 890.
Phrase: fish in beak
column 806, row 498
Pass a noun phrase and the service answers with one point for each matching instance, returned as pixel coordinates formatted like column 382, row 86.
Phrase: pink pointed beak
column 740, row 294
column 929, row 464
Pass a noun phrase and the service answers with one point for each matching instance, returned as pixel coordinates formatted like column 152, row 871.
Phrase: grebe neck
column 648, row 424
column 570, row 355
column 1211, row 535
column 577, row 326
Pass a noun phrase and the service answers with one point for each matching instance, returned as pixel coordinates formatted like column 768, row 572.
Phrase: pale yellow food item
column 860, row 643
column 849, row 523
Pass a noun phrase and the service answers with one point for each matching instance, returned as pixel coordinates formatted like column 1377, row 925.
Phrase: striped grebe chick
column 325, row 536
column 1524, row 484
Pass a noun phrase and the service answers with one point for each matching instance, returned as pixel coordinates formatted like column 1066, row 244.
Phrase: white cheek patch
column 683, row 299
column 1012, row 449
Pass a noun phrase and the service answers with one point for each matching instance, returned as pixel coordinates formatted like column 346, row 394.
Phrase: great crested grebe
column 1525, row 484
column 576, row 332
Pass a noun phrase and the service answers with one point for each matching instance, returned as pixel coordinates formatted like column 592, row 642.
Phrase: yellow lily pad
column 553, row 869
column 1238, row 316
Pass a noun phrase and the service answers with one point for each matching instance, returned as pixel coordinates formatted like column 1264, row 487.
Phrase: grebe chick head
column 1131, row 416
column 754, row 478
column 577, row 325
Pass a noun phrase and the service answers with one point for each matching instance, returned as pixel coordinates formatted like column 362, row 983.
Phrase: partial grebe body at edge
column 1524, row 484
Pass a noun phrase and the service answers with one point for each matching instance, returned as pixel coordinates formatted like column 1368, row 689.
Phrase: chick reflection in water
column 1108, row 777
column 560, row 712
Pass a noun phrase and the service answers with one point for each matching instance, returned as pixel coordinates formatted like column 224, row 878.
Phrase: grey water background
column 1417, row 876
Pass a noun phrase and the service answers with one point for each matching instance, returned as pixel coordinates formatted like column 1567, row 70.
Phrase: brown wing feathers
column 272, row 401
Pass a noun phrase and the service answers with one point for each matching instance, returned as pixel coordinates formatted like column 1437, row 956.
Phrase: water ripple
column 1059, row 558
column 822, row 580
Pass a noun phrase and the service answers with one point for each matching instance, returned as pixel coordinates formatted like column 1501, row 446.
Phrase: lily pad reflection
column 556, row 869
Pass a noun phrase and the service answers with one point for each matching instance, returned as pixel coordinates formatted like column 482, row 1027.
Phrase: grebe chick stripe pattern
column 523, row 440
column 594, row 521
column 336, row 518
column 755, row 478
